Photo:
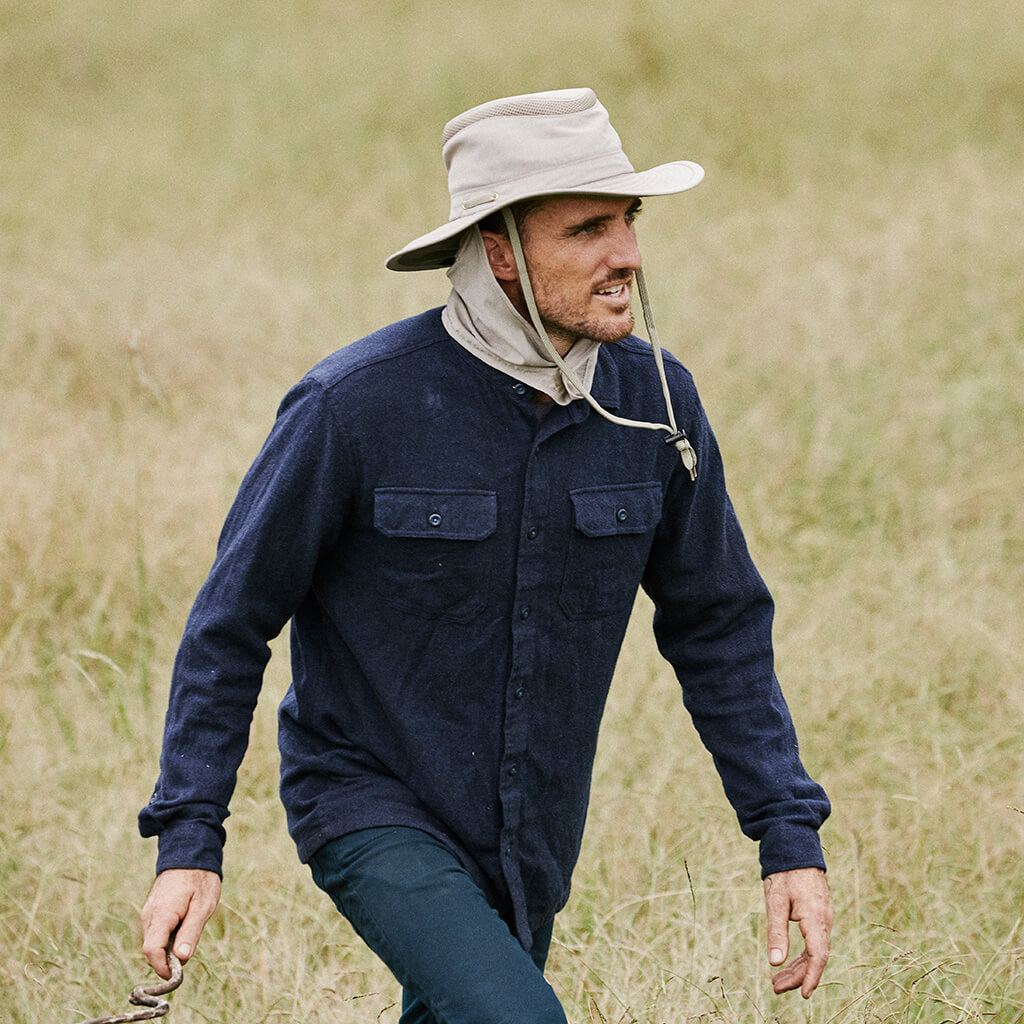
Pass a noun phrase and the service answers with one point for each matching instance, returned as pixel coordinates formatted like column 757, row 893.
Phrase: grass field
column 195, row 203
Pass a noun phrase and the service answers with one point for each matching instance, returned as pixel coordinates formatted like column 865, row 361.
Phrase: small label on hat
column 479, row 200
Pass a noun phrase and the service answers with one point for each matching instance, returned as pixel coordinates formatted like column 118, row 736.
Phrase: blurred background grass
column 195, row 203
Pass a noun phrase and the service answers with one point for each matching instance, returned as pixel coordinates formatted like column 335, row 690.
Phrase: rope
column 148, row 996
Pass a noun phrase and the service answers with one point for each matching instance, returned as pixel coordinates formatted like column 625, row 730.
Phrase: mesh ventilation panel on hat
column 516, row 106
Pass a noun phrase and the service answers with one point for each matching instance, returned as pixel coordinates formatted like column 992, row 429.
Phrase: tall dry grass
column 195, row 204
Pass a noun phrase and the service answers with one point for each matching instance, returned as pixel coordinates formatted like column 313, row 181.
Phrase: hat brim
column 437, row 248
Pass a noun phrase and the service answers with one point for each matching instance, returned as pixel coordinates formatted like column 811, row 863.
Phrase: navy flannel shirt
column 459, row 575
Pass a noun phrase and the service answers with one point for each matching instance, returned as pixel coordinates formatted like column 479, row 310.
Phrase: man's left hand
column 800, row 896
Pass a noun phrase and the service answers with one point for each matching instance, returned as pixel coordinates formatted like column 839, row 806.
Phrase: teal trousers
column 418, row 909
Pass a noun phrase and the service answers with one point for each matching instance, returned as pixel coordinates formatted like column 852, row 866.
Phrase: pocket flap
column 625, row 508
column 445, row 515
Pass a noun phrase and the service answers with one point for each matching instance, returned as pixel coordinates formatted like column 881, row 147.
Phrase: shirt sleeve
column 713, row 623
column 290, row 508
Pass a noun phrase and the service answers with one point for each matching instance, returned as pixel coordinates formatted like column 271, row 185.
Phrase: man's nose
column 625, row 253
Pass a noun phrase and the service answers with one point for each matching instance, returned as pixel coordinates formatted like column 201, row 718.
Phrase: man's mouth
column 616, row 292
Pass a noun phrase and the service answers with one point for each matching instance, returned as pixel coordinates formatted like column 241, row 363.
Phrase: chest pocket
column 435, row 558
column 613, row 528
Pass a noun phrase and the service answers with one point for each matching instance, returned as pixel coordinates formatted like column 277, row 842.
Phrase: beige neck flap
column 480, row 317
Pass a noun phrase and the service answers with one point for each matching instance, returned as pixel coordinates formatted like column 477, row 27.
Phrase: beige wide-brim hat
column 522, row 147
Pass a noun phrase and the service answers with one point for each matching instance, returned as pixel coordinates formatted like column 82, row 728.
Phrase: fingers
column 179, row 905
column 816, row 945
column 159, row 919
column 200, row 909
column 156, row 935
column 800, row 896
column 791, row 976
column 777, row 908
column 805, row 971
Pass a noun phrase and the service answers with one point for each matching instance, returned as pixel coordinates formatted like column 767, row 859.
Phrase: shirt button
column 532, row 532
column 519, row 388
column 525, row 613
column 513, row 769
column 519, row 693
column 622, row 515
column 435, row 519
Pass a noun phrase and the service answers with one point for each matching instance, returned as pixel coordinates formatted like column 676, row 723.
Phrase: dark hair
column 520, row 213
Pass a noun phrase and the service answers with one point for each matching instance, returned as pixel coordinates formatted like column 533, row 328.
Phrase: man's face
column 581, row 254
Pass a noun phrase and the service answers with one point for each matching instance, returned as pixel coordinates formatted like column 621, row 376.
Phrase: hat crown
column 556, row 101
column 535, row 143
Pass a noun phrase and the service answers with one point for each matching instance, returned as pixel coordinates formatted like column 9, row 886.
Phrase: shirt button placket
column 528, row 616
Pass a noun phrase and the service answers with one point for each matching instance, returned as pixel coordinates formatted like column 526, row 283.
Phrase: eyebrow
column 602, row 218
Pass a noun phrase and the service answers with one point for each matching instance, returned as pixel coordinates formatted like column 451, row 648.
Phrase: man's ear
column 500, row 256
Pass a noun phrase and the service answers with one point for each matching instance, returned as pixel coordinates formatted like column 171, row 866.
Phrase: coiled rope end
column 148, row 996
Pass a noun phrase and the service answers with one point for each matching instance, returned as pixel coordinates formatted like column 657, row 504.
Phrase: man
column 456, row 513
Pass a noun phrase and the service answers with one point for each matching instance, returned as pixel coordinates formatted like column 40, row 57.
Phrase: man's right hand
column 181, row 899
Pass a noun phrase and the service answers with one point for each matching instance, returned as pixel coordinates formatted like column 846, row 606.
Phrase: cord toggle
column 685, row 449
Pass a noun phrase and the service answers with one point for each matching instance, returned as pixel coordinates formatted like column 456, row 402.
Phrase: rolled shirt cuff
column 787, row 847
column 190, row 844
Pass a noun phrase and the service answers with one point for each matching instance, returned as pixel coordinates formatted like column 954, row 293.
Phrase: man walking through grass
column 455, row 513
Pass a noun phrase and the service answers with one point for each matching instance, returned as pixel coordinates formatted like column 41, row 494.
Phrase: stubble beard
column 569, row 327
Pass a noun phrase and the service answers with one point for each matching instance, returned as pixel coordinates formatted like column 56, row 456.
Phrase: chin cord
column 676, row 436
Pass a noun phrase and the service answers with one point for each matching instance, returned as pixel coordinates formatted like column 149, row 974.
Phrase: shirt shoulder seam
column 328, row 376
